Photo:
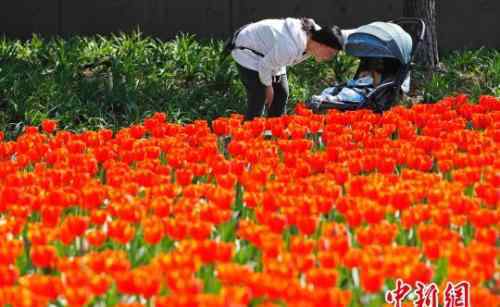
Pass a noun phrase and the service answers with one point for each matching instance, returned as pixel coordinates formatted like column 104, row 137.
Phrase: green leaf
column 319, row 230
column 112, row 296
column 345, row 278
column 210, row 281
column 247, row 253
column 402, row 237
column 101, row 174
column 335, row 216
column 227, row 231
column 137, row 249
column 23, row 262
column 57, row 303
column 167, row 244
column 441, row 271
column 256, row 302
column 356, row 297
column 469, row 191
column 467, row 232
column 377, row 301
column 288, row 233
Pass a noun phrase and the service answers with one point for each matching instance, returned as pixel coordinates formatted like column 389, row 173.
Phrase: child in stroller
column 372, row 72
column 385, row 51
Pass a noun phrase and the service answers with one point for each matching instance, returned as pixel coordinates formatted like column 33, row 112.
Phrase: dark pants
column 256, row 94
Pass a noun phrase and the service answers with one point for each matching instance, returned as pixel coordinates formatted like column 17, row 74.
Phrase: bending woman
column 263, row 50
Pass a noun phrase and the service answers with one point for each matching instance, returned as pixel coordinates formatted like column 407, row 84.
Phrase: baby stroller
column 386, row 48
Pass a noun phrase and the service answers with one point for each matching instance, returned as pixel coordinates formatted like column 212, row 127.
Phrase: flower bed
column 302, row 210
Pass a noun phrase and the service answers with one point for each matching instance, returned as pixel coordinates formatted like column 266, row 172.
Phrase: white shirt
column 282, row 41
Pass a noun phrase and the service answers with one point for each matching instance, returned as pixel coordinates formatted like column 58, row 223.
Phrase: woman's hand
column 269, row 95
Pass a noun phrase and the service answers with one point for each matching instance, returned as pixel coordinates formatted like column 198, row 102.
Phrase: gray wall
column 461, row 23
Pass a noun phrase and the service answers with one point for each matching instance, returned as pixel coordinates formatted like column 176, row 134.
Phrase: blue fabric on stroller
column 355, row 92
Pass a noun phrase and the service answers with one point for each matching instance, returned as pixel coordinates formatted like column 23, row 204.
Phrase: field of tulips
column 116, row 81
column 304, row 210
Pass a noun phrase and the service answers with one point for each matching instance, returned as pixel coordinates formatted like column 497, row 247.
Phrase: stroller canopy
column 380, row 40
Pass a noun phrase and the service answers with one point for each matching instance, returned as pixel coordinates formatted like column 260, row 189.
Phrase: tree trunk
column 426, row 9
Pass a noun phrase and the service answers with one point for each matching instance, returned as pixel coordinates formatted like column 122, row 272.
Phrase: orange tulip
column 44, row 256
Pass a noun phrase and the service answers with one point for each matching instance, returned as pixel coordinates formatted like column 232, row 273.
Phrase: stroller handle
column 420, row 35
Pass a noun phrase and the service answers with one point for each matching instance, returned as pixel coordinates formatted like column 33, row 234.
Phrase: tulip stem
column 24, row 262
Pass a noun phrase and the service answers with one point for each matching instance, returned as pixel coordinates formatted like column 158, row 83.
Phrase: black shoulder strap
column 246, row 48
column 231, row 44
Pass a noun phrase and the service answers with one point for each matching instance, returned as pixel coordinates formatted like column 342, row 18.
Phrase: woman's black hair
column 329, row 36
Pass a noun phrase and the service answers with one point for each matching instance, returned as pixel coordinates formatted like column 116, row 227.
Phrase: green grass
column 94, row 82
column 473, row 72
